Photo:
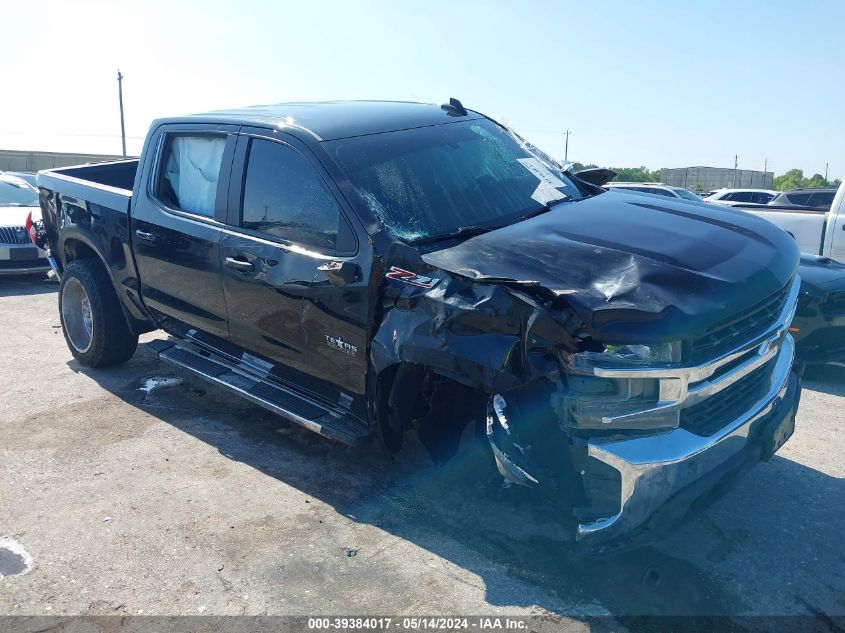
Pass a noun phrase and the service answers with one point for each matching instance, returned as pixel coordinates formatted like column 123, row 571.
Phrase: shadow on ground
column 826, row 378
column 23, row 285
column 462, row 502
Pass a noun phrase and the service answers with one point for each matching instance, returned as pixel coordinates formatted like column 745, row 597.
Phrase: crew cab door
column 294, row 279
column 176, row 222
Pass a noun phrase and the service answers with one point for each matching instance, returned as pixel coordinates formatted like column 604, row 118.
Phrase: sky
column 661, row 84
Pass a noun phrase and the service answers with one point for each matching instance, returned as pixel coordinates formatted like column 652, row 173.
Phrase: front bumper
column 663, row 476
column 22, row 259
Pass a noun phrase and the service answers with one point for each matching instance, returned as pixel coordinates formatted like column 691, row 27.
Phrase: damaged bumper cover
column 658, row 474
column 660, row 479
column 725, row 414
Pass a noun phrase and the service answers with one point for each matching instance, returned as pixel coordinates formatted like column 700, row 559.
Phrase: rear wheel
column 93, row 323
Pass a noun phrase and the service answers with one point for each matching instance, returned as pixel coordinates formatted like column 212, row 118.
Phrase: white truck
column 817, row 231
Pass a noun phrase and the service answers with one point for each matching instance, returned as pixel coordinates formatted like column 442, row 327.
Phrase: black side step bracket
column 332, row 423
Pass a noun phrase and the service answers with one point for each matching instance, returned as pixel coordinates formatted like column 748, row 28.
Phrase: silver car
column 18, row 255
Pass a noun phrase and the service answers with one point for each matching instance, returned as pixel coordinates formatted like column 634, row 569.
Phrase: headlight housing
column 627, row 400
column 623, row 356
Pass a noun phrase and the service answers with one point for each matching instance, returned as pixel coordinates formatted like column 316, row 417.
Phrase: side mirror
column 340, row 273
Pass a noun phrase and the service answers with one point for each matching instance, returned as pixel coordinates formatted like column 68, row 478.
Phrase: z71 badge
column 408, row 277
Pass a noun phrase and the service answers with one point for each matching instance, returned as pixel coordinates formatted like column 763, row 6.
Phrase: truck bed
column 106, row 184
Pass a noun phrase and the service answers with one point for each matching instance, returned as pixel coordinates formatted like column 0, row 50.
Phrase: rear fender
column 90, row 230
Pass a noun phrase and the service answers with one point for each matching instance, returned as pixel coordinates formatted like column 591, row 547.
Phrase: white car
column 656, row 188
column 733, row 197
column 18, row 255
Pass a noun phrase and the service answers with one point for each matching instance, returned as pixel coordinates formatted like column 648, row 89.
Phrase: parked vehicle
column 817, row 231
column 819, row 324
column 741, row 196
column 18, row 256
column 656, row 188
column 28, row 176
column 368, row 268
column 815, row 198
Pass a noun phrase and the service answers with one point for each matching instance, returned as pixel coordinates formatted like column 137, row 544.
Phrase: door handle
column 146, row 237
column 240, row 265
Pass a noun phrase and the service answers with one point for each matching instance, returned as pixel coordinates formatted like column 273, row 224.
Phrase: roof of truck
column 329, row 120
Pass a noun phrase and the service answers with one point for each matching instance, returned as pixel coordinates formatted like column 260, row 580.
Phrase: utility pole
column 566, row 151
column 120, row 98
column 826, row 165
column 765, row 168
column 736, row 164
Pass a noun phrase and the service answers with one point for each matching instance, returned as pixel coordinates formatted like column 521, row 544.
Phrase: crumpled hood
column 637, row 268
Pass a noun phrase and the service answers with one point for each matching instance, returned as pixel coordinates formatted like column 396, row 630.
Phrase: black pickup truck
column 368, row 268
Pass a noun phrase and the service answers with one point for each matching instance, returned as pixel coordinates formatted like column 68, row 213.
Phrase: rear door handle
column 240, row 265
column 147, row 237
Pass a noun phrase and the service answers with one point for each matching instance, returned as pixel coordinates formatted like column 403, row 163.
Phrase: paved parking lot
column 137, row 490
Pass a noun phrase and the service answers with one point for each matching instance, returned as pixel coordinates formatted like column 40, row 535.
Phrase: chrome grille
column 726, row 336
column 14, row 235
column 683, row 389
column 713, row 413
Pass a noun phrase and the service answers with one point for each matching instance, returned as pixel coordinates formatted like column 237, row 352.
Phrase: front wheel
column 93, row 323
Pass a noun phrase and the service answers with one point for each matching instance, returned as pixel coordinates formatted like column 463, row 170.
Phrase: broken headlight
column 617, row 398
column 623, row 356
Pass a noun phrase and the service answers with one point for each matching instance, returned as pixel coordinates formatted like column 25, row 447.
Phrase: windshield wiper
column 543, row 208
column 470, row 231
column 460, row 232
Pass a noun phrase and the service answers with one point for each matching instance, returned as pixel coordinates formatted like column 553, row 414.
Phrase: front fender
column 482, row 335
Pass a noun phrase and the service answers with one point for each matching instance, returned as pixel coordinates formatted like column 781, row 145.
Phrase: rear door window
column 190, row 172
column 742, row 196
column 761, row 197
column 662, row 192
column 285, row 198
column 802, row 199
column 821, row 199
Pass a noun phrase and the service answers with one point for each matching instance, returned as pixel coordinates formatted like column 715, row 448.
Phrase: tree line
column 792, row 179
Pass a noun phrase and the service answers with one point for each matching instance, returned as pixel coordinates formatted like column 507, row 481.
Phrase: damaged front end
column 629, row 437
column 653, row 440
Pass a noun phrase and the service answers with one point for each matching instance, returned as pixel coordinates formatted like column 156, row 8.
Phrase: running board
column 333, row 424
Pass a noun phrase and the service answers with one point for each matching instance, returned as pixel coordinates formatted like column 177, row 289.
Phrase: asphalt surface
column 137, row 490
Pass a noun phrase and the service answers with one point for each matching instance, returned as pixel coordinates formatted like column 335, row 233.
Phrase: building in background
column 710, row 178
column 21, row 160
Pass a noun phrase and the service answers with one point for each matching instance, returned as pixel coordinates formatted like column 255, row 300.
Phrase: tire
column 93, row 323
